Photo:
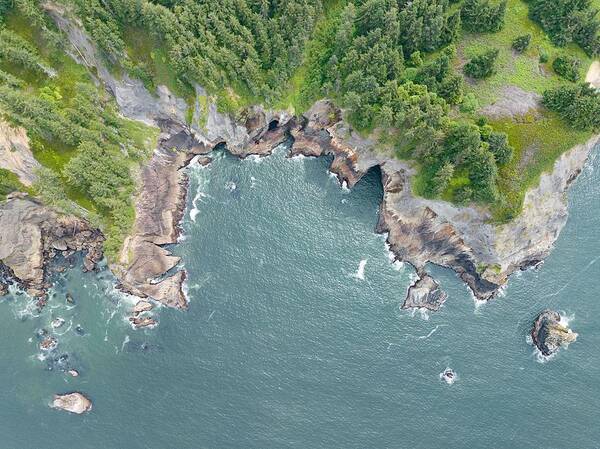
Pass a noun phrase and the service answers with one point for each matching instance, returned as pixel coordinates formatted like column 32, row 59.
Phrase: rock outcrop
column 33, row 234
column 550, row 333
column 15, row 154
column 425, row 293
column 72, row 402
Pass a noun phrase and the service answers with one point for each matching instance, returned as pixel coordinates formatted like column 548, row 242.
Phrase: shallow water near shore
column 294, row 337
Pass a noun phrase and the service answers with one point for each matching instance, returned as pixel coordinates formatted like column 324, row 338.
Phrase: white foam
column 66, row 330
column 360, row 273
column 298, row 157
column 257, row 159
column 433, row 331
column 186, row 290
column 125, row 341
column 398, row 265
column 565, row 320
column 197, row 199
column 423, row 313
column 448, row 376
column 231, row 186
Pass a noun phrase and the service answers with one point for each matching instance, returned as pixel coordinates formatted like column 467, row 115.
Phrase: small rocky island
column 72, row 402
column 550, row 333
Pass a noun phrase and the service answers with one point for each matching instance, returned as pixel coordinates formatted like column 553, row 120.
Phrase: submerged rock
column 143, row 321
column 72, row 402
column 550, row 332
column 425, row 293
column 448, row 376
column 48, row 344
column 57, row 322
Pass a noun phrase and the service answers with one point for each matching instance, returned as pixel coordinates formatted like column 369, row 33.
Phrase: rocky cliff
column 419, row 231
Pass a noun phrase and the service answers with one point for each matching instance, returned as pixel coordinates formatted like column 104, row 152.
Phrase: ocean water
column 294, row 337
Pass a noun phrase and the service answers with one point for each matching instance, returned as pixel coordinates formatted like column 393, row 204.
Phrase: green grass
column 538, row 143
column 304, row 87
column 522, row 70
column 9, row 182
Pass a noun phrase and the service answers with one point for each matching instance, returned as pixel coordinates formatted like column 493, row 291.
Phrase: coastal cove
column 284, row 345
column 257, row 225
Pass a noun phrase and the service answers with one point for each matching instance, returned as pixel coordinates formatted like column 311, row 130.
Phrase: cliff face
column 419, row 231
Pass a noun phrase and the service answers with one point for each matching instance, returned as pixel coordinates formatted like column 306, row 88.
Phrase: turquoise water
column 283, row 346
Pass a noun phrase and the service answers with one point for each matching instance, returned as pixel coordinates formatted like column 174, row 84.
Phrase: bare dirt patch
column 513, row 102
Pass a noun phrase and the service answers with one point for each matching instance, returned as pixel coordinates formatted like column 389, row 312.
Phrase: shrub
column 442, row 177
column 521, row 43
column 469, row 104
column 482, row 16
column 483, row 65
column 499, row 147
column 567, row 67
column 578, row 105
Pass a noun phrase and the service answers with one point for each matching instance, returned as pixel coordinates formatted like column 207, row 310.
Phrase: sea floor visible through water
column 294, row 337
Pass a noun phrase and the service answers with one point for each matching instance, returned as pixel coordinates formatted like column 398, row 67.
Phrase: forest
column 416, row 73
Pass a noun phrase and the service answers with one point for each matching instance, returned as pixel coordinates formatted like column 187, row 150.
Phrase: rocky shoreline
column 419, row 231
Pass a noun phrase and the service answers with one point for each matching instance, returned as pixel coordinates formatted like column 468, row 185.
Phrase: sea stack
column 550, row 332
column 425, row 293
column 72, row 402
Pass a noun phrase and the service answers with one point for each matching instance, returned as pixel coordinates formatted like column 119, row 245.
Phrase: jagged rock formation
column 425, row 293
column 32, row 234
column 72, row 402
column 549, row 334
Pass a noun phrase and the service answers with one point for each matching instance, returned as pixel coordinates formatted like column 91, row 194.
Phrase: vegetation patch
column 88, row 152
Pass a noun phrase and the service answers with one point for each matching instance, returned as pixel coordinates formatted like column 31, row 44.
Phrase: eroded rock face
column 72, row 402
column 32, row 233
column 146, row 321
column 550, row 332
column 159, row 208
column 15, row 154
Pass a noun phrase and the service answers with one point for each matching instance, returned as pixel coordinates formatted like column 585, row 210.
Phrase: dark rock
column 549, row 333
